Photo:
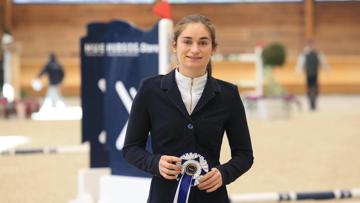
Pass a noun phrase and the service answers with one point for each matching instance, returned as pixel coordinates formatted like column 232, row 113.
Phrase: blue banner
column 132, row 56
column 92, row 93
column 124, row 56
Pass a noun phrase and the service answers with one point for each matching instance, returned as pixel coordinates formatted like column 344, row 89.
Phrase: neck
column 192, row 73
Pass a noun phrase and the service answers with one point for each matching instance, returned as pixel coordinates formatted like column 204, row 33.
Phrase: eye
column 203, row 43
column 188, row 42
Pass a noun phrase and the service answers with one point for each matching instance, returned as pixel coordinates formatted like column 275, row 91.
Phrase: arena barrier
column 235, row 198
column 46, row 150
column 296, row 196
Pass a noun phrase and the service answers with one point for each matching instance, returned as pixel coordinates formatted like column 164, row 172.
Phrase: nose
column 194, row 48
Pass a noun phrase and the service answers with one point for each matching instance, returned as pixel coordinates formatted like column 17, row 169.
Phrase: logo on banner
column 102, row 86
column 125, row 49
column 127, row 100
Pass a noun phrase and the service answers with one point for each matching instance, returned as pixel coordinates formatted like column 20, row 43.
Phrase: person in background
column 7, row 86
column 55, row 73
column 1, row 71
column 311, row 60
column 187, row 111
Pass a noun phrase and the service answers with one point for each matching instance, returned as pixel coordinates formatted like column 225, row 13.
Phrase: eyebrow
column 201, row 38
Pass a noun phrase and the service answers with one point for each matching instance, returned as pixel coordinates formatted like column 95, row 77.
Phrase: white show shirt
column 190, row 89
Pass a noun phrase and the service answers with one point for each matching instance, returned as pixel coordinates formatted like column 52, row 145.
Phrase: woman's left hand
column 211, row 181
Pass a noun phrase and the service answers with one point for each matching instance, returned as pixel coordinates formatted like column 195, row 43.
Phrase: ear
column 213, row 51
column 173, row 46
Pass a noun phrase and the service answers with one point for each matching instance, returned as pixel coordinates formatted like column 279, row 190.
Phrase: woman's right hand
column 169, row 167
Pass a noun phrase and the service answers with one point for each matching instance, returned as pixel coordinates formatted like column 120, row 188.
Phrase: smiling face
column 193, row 49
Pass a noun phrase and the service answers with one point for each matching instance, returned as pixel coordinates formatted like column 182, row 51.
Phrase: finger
column 167, row 176
column 165, row 164
column 172, row 159
column 170, row 171
column 209, row 183
column 204, row 180
column 168, row 168
column 213, row 188
column 206, row 176
column 218, row 181
column 214, row 179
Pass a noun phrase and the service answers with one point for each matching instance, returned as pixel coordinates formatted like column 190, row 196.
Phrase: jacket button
column 190, row 126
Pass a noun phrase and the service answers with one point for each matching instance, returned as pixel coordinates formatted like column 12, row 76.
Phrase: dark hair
column 52, row 56
column 180, row 26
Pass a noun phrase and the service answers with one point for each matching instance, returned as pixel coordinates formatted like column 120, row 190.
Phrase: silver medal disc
column 191, row 168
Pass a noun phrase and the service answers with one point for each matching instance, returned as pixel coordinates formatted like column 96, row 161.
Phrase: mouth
column 194, row 57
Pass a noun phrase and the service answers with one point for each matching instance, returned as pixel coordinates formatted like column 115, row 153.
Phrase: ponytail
column 209, row 68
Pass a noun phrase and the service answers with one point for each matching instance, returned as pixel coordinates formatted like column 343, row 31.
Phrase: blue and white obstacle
column 295, row 196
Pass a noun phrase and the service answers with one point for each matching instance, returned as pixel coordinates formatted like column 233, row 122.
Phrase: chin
column 196, row 65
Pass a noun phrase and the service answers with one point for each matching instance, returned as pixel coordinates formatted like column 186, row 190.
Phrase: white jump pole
column 165, row 39
column 46, row 150
column 259, row 72
column 296, row 196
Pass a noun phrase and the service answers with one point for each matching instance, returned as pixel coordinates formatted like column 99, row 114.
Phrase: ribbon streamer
column 193, row 165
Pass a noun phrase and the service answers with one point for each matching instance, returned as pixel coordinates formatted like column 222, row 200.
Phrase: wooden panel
column 45, row 28
column 338, row 27
column 309, row 18
column 42, row 28
column 240, row 26
column 343, row 76
column 5, row 15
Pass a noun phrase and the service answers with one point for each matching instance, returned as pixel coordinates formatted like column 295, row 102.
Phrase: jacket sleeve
column 137, row 134
column 239, row 140
column 43, row 71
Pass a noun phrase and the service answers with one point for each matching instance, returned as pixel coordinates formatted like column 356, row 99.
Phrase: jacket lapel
column 210, row 91
column 168, row 84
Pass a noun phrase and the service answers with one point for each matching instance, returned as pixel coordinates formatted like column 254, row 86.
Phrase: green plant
column 23, row 93
column 274, row 55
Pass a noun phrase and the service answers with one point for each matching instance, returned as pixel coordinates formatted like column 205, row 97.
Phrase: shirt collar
column 185, row 82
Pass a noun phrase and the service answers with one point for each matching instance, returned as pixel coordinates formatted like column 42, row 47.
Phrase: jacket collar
column 169, row 85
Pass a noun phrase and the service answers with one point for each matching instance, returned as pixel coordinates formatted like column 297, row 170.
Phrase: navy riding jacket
column 159, row 110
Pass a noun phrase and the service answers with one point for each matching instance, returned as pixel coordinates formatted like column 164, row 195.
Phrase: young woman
column 185, row 111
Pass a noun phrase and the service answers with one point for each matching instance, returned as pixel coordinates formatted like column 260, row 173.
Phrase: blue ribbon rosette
column 193, row 166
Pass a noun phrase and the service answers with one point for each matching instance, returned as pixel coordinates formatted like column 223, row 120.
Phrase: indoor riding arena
column 71, row 69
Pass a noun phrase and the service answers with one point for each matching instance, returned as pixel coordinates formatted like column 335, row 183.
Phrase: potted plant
column 275, row 103
column 273, row 56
